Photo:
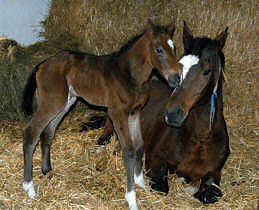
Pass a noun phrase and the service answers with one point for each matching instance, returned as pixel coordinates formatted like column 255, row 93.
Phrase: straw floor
column 87, row 176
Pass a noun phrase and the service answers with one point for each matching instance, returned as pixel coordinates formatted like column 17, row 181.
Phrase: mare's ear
column 187, row 36
column 150, row 27
column 221, row 38
column 171, row 28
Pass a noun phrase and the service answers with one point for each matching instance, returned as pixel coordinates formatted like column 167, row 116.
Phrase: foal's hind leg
column 49, row 133
column 31, row 138
column 50, row 106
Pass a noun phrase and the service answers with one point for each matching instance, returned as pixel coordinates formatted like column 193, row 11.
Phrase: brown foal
column 118, row 81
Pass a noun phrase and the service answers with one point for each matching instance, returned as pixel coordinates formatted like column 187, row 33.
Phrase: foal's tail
column 29, row 90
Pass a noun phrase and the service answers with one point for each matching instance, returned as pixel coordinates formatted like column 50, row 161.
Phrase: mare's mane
column 198, row 45
column 127, row 46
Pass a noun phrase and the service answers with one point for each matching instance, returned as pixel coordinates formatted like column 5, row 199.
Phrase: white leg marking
column 134, row 128
column 187, row 61
column 136, row 137
column 28, row 187
column 139, row 180
column 191, row 189
column 131, row 199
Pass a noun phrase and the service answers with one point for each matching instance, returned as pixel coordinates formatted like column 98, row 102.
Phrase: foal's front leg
column 136, row 137
column 128, row 130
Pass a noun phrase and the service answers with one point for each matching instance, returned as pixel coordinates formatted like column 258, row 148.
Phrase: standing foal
column 118, row 81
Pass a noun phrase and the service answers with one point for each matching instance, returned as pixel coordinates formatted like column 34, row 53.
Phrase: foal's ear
column 187, row 36
column 171, row 28
column 221, row 38
column 150, row 27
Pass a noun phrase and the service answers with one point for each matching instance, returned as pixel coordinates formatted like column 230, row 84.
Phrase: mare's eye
column 206, row 72
column 159, row 50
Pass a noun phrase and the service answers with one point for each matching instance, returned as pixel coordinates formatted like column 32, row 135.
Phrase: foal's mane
column 128, row 45
column 156, row 28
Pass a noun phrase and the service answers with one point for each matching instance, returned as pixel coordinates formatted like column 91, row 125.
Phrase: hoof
column 210, row 195
column 46, row 170
column 103, row 140
column 161, row 186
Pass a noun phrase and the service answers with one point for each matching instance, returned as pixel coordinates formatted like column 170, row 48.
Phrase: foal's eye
column 206, row 72
column 159, row 50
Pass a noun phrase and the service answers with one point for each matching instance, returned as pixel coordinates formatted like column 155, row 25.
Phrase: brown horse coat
column 195, row 151
column 117, row 81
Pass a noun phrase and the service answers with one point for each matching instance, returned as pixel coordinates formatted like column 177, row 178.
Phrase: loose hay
column 87, row 176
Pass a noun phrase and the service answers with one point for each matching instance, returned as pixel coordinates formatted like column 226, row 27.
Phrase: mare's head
column 162, row 52
column 202, row 62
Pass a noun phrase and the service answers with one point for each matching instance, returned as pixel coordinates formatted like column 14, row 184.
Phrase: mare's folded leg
column 105, row 138
column 157, row 170
column 208, row 191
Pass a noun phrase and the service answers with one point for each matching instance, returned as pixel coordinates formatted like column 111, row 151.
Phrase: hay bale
column 86, row 176
column 7, row 47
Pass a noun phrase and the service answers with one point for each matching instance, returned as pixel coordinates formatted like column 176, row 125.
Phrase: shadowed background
column 87, row 176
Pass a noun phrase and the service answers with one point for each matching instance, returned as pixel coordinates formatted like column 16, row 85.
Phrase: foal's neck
column 137, row 61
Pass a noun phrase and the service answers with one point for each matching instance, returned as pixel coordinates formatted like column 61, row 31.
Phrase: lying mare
column 118, row 81
column 196, row 108
column 194, row 146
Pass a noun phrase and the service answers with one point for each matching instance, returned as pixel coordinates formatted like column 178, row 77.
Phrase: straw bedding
column 87, row 176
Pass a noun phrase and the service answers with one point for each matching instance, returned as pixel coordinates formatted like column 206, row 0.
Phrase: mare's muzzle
column 175, row 118
column 173, row 80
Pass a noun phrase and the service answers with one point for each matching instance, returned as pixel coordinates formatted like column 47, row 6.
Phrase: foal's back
column 99, row 75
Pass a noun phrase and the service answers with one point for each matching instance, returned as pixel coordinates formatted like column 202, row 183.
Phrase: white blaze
column 188, row 61
column 170, row 43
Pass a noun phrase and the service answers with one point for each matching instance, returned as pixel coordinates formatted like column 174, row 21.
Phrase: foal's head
column 202, row 65
column 162, row 52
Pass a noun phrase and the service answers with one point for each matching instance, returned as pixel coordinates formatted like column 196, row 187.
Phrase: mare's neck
column 137, row 61
column 200, row 114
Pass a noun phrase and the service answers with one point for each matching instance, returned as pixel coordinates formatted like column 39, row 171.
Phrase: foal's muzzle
column 175, row 118
column 173, row 80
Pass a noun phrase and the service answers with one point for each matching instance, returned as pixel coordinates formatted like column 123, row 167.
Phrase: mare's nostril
column 180, row 113
column 174, row 118
column 166, row 115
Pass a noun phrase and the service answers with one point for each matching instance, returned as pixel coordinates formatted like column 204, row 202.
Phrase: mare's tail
column 29, row 90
